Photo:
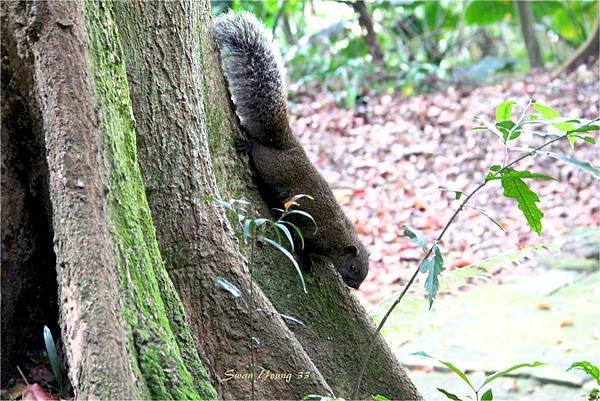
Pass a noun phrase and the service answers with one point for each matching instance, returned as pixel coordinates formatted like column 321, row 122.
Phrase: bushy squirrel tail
column 255, row 73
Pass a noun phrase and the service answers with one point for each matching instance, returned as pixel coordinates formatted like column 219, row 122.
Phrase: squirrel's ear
column 351, row 250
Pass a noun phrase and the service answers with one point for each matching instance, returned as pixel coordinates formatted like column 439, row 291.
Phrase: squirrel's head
column 353, row 265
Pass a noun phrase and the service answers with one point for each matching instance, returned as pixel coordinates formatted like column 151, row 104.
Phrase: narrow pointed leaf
column 298, row 232
column 289, row 256
column 512, row 368
column 488, row 395
column 308, row 216
column 287, row 233
column 434, row 268
column 448, row 394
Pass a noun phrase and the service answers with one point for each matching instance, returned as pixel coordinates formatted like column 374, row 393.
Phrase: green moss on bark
column 158, row 338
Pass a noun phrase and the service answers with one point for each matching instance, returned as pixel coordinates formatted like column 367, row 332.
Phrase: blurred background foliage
column 411, row 47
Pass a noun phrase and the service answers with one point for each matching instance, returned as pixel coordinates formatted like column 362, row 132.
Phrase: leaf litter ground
column 387, row 160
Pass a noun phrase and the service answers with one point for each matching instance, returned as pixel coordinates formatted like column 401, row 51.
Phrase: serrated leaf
column 289, row 256
column 515, row 188
column 298, row 232
column 512, row 368
column 510, row 173
column 448, row 394
column 415, row 237
column 588, row 368
column 504, row 111
column 433, row 265
column 287, row 233
column 488, row 395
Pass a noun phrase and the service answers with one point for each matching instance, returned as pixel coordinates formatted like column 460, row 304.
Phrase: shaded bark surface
column 117, row 304
column 28, row 275
column 337, row 326
column 195, row 239
column 44, row 33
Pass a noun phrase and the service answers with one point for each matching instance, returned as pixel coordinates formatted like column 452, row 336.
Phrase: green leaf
column 583, row 165
column 516, row 188
column 510, row 173
column 589, row 139
column 415, row 237
column 289, row 256
column 298, row 232
column 449, row 365
column 246, row 228
column 504, row 111
column 53, row 355
column 549, row 113
column 488, row 395
column 308, row 216
column 588, row 368
column 287, row 233
column 586, row 128
column 433, row 265
column 379, row 398
column 483, row 12
column 509, row 130
column 457, row 195
column 449, row 395
column 512, row 368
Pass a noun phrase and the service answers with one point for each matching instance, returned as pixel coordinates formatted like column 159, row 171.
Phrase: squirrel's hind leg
column 243, row 146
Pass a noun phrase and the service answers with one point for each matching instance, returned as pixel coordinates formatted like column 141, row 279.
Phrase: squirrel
column 255, row 74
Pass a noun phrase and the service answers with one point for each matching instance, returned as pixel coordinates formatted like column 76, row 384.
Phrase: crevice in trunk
column 28, row 274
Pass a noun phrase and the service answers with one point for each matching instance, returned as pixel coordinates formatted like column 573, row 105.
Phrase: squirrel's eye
column 353, row 268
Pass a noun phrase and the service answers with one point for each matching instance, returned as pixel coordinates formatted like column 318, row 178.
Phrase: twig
column 439, row 238
column 252, row 310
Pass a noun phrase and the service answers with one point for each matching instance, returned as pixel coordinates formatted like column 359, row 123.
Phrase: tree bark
column 366, row 22
column 588, row 50
column 194, row 237
column 534, row 54
column 117, row 307
column 133, row 326
column 337, row 327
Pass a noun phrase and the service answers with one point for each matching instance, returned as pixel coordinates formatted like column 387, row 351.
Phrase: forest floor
column 506, row 296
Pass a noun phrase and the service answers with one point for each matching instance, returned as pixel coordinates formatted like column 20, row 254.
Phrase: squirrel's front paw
column 243, row 146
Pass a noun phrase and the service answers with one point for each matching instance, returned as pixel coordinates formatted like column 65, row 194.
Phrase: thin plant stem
column 253, row 246
column 437, row 240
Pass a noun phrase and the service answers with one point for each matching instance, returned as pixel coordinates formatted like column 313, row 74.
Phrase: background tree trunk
column 526, row 21
column 588, row 50
column 366, row 22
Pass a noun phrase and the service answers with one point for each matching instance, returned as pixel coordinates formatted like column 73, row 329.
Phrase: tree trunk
column 526, row 21
column 366, row 22
column 195, row 240
column 133, row 325
column 118, row 309
column 588, row 50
